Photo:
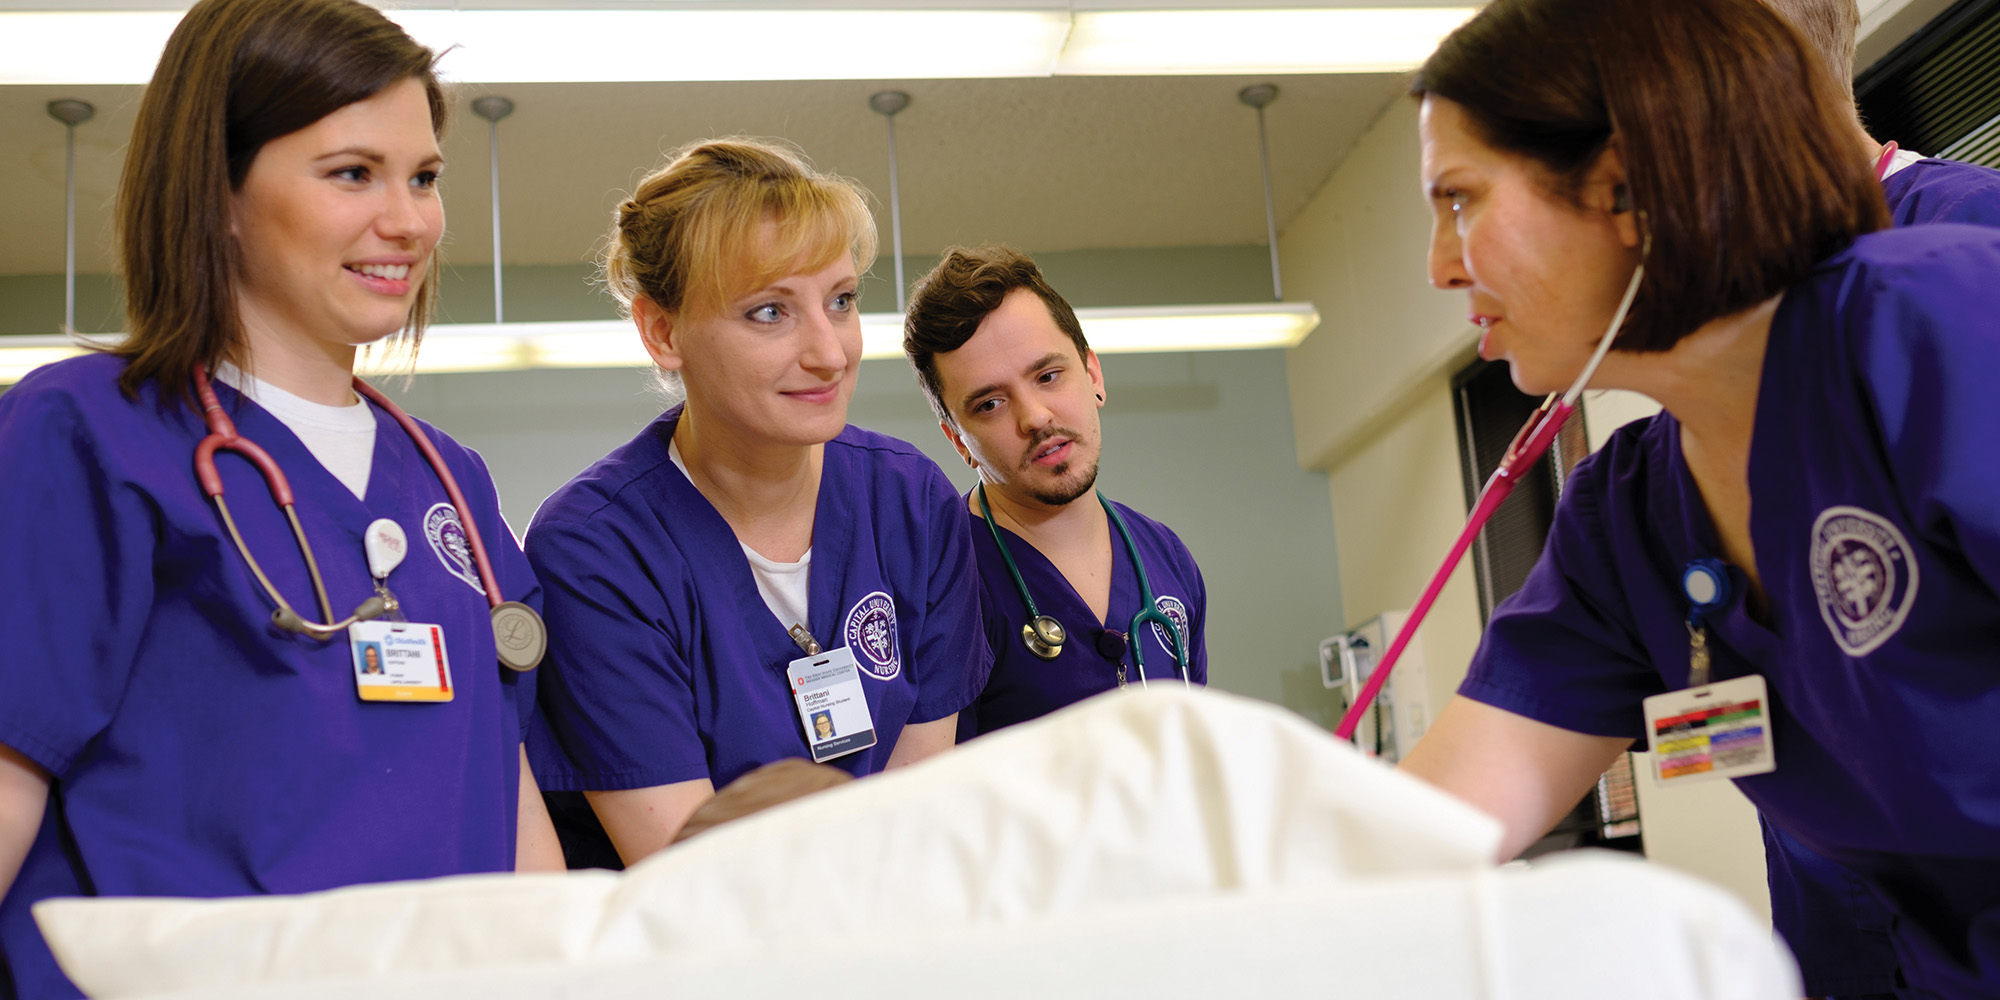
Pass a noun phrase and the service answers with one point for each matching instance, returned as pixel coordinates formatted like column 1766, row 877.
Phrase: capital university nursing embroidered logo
column 1177, row 613
column 871, row 633
column 448, row 541
column 1865, row 575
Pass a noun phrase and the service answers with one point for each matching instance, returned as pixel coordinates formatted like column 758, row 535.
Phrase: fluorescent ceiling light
column 779, row 42
column 593, row 46
column 21, row 355
column 487, row 347
column 86, row 47
column 1192, row 42
column 1197, row 328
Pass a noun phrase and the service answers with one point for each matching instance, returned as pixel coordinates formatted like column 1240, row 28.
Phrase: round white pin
column 387, row 545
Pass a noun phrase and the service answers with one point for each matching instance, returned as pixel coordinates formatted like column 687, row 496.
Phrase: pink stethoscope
column 1527, row 448
column 519, row 634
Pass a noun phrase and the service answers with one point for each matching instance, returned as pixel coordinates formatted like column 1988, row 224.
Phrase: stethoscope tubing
column 487, row 580
column 1149, row 611
column 1527, row 448
column 223, row 436
column 1149, row 607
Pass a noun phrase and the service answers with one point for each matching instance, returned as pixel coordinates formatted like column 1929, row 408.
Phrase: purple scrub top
column 1932, row 190
column 1876, row 522
column 1838, row 930
column 1024, row 686
column 665, row 665
column 197, row 750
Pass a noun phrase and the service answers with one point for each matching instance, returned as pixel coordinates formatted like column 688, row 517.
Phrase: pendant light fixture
column 1259, row 95
column 888, row 104
column 493, row 109
column 475, row 347
column 71, row 113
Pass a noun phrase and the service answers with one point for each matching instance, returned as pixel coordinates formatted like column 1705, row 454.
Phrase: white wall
column 1371, row 402
column 1201, row 441
column 1357, row 252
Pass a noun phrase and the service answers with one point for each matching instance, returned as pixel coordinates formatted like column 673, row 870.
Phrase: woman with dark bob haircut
column 1813, row 522
column 175, row 718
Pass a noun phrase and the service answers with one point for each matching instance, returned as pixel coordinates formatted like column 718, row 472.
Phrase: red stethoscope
column 519, row 634
column 1527, row 448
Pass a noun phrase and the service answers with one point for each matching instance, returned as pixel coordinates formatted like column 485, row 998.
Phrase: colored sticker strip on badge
column 1718, row 730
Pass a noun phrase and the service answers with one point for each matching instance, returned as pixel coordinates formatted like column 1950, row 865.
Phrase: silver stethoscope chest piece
column 519, row 636
column 1044, row 637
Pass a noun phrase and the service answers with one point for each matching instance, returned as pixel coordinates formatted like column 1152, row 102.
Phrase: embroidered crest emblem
column 871, row 632
column 1865, row 575
column 1177, row 613
column 448, row 541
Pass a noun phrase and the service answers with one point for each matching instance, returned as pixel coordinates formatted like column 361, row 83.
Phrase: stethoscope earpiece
column 1044, row 637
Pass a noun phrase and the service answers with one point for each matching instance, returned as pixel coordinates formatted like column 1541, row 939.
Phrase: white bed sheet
column 1166, row 843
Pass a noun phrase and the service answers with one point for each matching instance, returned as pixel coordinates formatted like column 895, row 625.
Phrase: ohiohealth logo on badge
column 1865, row 576
column 871, row 634
column 1177, row 613
column 448, row 541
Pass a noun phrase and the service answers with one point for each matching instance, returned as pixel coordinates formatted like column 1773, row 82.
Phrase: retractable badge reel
column 1709, row 730
column 396, row 659
column 386, row 545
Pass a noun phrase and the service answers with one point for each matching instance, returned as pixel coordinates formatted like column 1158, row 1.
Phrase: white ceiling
column 1047, row 164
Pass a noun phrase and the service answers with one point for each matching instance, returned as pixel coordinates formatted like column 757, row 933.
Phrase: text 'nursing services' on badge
column 832, row 704
column 400, row 661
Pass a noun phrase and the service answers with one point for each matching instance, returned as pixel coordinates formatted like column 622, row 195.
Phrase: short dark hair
column 948, row 304
column 235, row 75
column 1738, row 150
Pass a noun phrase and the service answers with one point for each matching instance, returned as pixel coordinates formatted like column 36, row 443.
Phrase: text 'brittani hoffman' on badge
column 1720, row 730
column 399, row 661
column 832, row 704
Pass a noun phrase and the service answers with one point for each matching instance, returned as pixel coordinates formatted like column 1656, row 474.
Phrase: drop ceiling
column 1047, row 164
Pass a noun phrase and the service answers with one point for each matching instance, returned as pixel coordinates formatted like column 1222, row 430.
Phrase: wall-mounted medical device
column 1402, row 712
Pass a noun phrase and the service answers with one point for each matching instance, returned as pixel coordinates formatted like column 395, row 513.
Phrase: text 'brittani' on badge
column 832, row 704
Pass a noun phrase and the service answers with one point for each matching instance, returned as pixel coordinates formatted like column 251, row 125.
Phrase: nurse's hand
column 1526, row 774
column 641, row 821
column 24, row 791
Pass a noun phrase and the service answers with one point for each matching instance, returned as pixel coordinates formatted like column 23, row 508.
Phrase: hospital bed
column 1161, row 844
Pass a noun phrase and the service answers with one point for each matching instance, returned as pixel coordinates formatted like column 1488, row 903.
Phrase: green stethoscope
column 1044, row 636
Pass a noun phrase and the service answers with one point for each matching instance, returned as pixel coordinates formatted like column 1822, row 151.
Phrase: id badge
column 399, row 661
column 832, row 704
column 1720, row 730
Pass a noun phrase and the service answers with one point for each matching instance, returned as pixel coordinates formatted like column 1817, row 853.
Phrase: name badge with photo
column 832, row 704
column 1720, row 730
column 399, row 661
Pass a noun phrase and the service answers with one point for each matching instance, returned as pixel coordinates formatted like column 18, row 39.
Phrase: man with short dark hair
column 1017, row 390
